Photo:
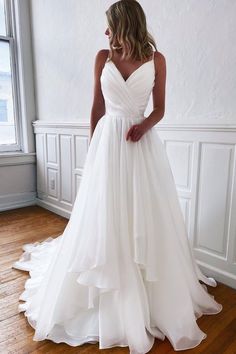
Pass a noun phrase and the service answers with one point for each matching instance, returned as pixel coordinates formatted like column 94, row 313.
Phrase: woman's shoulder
column 102, row 54
column 158, row 56
column 100, row 58
column 159, row 61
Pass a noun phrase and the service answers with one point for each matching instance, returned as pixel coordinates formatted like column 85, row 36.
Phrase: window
column 3, row 110
column 9, row 111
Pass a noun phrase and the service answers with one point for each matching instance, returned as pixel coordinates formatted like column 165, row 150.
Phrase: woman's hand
column 136, row 131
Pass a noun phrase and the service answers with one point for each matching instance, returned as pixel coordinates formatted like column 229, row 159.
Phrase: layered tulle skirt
column 123, row 271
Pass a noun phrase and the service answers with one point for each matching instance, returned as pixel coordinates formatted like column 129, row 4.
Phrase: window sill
column 17, row 158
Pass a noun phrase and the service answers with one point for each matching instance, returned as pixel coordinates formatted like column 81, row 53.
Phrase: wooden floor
column 30, row 224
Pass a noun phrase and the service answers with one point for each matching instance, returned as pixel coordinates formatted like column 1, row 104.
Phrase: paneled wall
column 17, row 180
column 203, row 163
column 61, row 151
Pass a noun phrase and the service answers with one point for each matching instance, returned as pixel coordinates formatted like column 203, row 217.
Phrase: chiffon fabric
column 123, row 272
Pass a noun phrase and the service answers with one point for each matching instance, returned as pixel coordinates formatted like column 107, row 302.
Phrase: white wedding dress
column 123, row 271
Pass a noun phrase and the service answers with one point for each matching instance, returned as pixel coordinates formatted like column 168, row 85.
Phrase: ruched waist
column 125, row 116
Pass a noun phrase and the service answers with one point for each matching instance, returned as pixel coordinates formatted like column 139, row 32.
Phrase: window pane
column 7, row 121
column 2, row 19
column 3, row 110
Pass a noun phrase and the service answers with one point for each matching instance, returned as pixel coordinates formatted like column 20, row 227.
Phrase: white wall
column 67, row 35
column 197, row 38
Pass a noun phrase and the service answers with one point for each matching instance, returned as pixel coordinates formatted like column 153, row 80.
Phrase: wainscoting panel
column 51, row 149
column 215, row 166
column 41, row 164
column 61, row 152
column 81, row 148
column 52, row 179
column 65, row 152
column 203, row 163
column 181, row 154
column 202, row 160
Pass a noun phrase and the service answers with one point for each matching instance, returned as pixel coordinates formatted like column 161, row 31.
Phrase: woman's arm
column 98, row 105
column 158, row 93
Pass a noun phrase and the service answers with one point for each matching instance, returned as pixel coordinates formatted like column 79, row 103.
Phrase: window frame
column 11, row 38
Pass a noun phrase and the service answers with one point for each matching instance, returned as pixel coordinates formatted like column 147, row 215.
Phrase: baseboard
column 219, row 275
column 52, row 207
column 18, row 200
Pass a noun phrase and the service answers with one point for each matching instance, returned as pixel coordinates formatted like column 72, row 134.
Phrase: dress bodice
column 127, row 97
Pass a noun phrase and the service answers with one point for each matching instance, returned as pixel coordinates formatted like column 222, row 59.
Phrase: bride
column 122, row 273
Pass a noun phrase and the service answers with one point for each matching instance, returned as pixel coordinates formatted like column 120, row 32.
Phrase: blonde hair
column 127, row 22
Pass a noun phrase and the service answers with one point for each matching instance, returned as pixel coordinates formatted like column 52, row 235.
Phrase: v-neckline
column 133, row 72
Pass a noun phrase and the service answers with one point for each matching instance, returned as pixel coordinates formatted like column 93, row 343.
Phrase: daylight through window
column 9, row 137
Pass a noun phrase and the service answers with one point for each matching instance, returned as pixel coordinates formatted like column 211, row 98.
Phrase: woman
column 123, row 272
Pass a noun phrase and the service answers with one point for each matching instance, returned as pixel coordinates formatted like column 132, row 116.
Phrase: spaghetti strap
column 107, row 56
column 153, row 53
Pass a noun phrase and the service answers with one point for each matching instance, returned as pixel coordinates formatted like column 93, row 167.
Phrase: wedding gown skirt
column 123, row 271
